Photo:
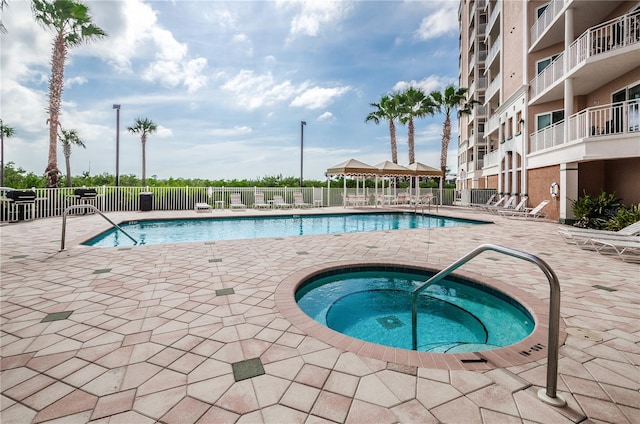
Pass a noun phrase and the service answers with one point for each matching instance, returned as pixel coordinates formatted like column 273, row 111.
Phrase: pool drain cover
column 390, row 322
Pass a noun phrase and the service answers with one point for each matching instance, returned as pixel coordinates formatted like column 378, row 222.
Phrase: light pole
column 1, row 153
column 117, row 108
column 302, row 124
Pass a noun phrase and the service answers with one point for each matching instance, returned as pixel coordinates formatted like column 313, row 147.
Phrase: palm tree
column 445, row 102
column 68, row 138
column 143, row 127
column 414, row 104
column 5, row 132
column 71, row 23
column 387, row 110
column 3, row 4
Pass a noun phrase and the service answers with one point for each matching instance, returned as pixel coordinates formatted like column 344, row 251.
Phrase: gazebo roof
column 389, row 168
column 352, row 167
column 421, row 169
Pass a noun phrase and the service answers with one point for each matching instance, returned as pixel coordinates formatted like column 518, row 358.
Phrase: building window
column 544, row 63
column 540, row 10
column 546, row 119
column 519, row 123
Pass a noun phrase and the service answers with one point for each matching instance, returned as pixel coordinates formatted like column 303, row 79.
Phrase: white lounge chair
column 278, row 202
column 577, row 235
column 508, row 204
column 495, row 204
column 627, row 250
column 259, row 201
column 516, row 209
column 235, row 201
column 298, row 201
column 202, row 207
column 530, row 212
column 489, row 202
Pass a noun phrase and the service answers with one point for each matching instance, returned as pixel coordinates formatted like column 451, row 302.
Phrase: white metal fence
column 52, row 202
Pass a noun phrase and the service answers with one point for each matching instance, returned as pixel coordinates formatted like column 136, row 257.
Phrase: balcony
column 600, row 55
column 493, row 88
column 493, row 52
column 478, row 84
column 493, row 18
column 611, row 121
column 546, row 19
column 491, row 159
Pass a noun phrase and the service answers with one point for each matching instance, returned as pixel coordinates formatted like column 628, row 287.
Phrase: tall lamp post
column 302, row 124
column 1, row 153
column 117, row 108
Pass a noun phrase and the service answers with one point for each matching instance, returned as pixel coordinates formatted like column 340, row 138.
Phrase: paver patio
column 160, row 333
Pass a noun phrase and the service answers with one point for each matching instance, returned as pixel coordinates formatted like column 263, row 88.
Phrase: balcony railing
column 493, row 51
column 547, row 17
column 497, row 7
column 606, row 37
column 611, row 35
column 597, row 121
column 493, row 87
column 548, row 76
column 491, row 159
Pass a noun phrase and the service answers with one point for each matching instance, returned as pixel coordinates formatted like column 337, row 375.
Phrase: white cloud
column 327, row 116
column 441, row 21
column 318, row 98
column 428, row 84
column 314, row 14
column 230, row 132
column 252, row 91
column 75, row 81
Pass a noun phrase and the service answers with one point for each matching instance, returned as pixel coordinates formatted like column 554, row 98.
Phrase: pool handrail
column 550, row 395
column 87, row 206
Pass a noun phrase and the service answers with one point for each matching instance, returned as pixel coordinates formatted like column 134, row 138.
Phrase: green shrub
column 595, row 212
column 624, row 217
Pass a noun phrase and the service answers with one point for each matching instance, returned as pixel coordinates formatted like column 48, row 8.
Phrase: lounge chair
column 298, row 201
column 577, row 235
column 278, row 202
column 627, row 250
column 508, row 204
column 259, row 201
column 235, row 201
column 489, row 202
column 202, row 207
column 495, row 204
column 509, row 211
column 530, row 212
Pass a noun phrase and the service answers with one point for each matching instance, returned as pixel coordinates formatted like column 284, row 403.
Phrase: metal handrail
column 550, row 396
column 91, row 207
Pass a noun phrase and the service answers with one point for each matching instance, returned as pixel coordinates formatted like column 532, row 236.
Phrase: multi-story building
column 558, row 90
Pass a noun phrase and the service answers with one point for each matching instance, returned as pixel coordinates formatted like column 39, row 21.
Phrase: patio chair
column 259, row 201
column 518, row 208
column 489, row 202
column 530, row 212
column 278, row 202
column 298, row 201
column 496, row 203
column 627, row 250
column 577, row 235
column 235, row 201
column 508, row 204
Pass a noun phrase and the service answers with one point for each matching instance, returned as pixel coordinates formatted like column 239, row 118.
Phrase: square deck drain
column 215, row 260
column 57, row 316
column 302, row 253
column 102, row 271
column 247, row 369
column 224, row 292
column 390, row 322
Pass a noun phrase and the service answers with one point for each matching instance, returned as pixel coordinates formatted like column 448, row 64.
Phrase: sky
column 228, row 83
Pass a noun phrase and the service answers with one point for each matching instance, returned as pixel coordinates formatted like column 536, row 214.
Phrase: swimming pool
column 205, row 229
column 454, row 315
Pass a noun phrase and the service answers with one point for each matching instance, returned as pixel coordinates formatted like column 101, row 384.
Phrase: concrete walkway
column 193, row 332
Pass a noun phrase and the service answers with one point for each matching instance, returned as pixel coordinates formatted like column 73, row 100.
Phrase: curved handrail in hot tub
column 550, row 395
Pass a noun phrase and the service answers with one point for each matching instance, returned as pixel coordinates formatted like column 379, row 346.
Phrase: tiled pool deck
column 203, row 332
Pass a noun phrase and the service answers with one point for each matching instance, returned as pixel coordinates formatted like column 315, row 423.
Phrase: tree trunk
column 411, row 141
column 446, row 137
column 67, row 162
column 144, row 162
column 56, row 85
column 394, row 145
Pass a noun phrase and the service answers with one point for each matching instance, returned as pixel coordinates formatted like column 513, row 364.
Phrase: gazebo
column 421, row 170
column 351, row 168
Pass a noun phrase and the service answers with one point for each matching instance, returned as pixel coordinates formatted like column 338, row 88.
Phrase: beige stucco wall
column 603, row 94
column 512, row 40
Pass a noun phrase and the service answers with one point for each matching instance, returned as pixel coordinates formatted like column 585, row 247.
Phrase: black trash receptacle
column 146, row 201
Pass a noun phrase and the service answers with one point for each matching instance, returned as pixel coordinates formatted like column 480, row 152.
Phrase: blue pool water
column 454, row 315
column 203, row 229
